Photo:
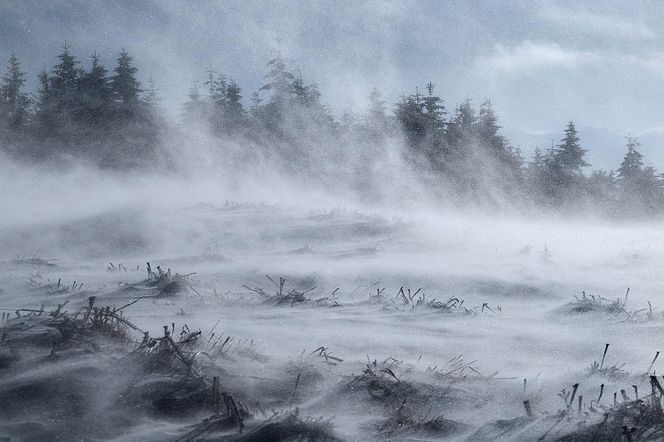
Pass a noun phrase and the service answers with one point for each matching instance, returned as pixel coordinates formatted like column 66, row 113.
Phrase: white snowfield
column 433, row 324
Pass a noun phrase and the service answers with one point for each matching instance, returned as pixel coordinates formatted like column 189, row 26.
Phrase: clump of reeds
column 291, row 426
column 53, row 287
column 230, row 347
column 455, row 369
column 404, row 422
column 280, row 296
column 281, row 426
column 162, row 283
column 62, row 329
column 614, row 371
column 625, row 419
column 166, row 354
column 588, row 303
column 307, row 365
column 408, row 299
column 384, row 384
column 167, row 283
column 645, row 314
column 34, row 261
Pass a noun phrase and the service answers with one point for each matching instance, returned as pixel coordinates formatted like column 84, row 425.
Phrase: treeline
column 458, row 154
column 95, row 114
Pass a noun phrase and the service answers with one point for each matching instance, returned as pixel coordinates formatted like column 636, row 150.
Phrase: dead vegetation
column 34, row 261
column 405, row 423
column 161, row 283
column 620, row 418
column 36, row 281
column 292, row 296
column 588, row 303
column 61, row 329
column 410, row 300
column 454, row 370
column 592, row 413
column 281, row 426
column 177, row 374
column 384, row 384
column 617, row 308
column 185, row 374
column 612, row 372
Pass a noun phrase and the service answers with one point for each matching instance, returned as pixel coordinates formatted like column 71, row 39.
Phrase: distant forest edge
column 107, row 118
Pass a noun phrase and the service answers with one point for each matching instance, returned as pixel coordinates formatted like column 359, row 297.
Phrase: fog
column 401, row 274
column 231, row 228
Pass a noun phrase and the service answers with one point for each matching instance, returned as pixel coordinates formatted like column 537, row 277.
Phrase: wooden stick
column 215, row 394
column 604, row 356
column 297, row 382
column 529, row 411
column 626, row 294
column 574, row 388
column 623, row 393
column 653, row 362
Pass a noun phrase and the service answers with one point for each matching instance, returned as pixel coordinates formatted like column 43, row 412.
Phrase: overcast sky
column 598, row 63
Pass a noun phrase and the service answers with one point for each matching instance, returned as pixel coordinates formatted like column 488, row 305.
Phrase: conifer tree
column 434, row 111
column 14, row 102
column 569, row 155
column 640, row 187
column 151, row 99
column 124, row 85
column 95, row 93
column 64, row 93
column 45, row 104
column 234, row 113
column 564, row 172
column 195, row 107
column 376, row 122
column 631, row 168
column 377, row 112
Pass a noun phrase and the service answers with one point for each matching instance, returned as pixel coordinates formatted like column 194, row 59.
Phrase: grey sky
column 542, row 63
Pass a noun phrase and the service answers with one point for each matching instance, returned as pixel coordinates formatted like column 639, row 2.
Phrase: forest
column 84, row 111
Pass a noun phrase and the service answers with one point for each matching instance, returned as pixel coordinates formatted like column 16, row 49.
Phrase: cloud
column 530, row 56
column 596, row 24
column 652, row 130
column 653, row 61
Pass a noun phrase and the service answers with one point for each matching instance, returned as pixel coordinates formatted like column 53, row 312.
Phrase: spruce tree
column 640, row 187
column 487, row 129
column 45, row 112
column 569, row 154
column 234, row 113
column 151, row 99
column 564, row 172
column 195, row 107
column 376, row 122
column 65, row 76
column 124, row 85
column 434, row 111
column 504, row 160
column 64, row 92
column 96, row 95
column 410, row 114
column 377, row 112
column 14, row 102
column 280, row 79
column 631, row 168
column 461, row 135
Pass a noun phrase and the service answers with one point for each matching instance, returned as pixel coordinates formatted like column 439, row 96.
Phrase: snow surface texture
column 416, row 324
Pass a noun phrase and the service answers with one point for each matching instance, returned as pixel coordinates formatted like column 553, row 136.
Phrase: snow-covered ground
column 491, row 313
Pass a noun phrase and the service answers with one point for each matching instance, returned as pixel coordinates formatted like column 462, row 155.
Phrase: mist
column 291, row 221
